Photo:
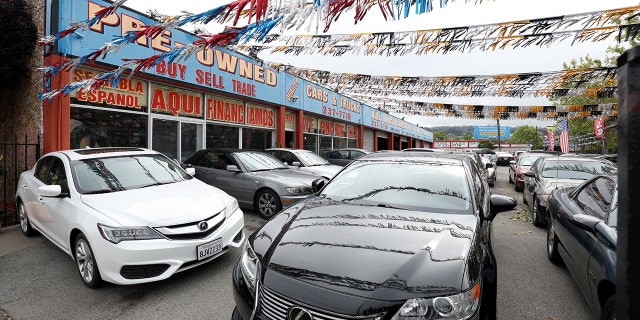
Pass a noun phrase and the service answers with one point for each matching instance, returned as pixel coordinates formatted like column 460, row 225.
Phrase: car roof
column 92, row 153
column 424, row 157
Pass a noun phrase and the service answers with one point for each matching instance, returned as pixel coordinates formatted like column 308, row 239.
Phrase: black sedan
column 582, row 232
column 548, row 173
column 395, row 235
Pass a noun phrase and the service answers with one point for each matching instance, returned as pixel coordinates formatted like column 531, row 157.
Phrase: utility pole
column 499, row 146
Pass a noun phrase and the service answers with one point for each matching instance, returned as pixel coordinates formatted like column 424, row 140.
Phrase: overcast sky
column 456, row 14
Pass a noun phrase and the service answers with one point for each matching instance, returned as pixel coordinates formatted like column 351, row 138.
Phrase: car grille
column 191, row 231
column 143, row 271
column 274, row 306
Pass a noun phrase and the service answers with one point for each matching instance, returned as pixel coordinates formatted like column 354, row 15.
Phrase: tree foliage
column 527, row 134
column 18, row 35
column 486, row 144
column 440, row 136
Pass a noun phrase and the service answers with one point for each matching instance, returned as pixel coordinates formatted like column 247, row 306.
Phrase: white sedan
column 126, row 215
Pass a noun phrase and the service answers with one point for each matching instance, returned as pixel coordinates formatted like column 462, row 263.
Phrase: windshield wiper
column 100, row 191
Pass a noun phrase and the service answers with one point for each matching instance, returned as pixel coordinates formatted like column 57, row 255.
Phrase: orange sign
column 129, row 93
column 219, row 109
column 310, row 124
column 260, row 116
column 176, row 102
column 340, row 130
column 326, row 127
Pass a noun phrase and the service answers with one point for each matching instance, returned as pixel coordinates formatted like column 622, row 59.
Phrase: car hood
column 367, row 251
column 327, row 170
column 287, row 177
column 551, row 183
column 168, row 204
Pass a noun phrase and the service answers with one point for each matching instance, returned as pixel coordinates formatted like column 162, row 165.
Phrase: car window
column 415, row 186
column 41, row 169
column 259, row 161
column 575, row 169
column 527, row 161
column 58, row 175
column 310, row 159
column 612, row 220
column 356, row 154
column 591, row 199
column 101, row 175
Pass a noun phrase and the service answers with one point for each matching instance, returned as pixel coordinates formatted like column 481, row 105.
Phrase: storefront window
column 101, row 128
column 339, row 143
column 191, row 139
column 325, row 144
column 290, row 139
column 310, row 142
column 256, row 139
column 353, row 143
column 165, row 137
column 222, row 136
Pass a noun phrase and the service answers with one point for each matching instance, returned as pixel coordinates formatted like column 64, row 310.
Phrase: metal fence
column 15, row 157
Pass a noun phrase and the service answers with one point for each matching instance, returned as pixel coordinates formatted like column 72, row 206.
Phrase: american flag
column 564, row 136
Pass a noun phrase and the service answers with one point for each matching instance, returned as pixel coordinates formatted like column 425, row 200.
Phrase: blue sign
column 491, row 132
column 216, row 69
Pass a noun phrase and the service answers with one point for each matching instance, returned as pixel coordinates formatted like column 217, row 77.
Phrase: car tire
column 236, row 314
column 524, row 199
column 609, row 309
column 552, row 245
column 25, row 224
column 267, row 203
column 536, row 219
column 515, row 187
column 510, row 180
column 86, row 262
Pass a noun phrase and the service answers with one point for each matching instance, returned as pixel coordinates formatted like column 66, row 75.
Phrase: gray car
column 258, row 180
column 305, row 160
column 343, row 157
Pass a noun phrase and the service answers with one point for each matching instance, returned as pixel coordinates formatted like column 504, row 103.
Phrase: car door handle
column 41, row 199
column 24, row 187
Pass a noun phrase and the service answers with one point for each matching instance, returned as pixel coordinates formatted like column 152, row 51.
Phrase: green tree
column 467, row 136
column 486, row 144
column 440, row 135
column 527, row 134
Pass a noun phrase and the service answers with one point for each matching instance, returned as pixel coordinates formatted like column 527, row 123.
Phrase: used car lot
column 40, row 273
column 582, row 233
column 420, row 222
column 306, row 161
column 342, row 157
column 126, row 215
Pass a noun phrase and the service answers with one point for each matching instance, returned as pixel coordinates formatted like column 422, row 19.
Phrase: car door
column 578, row 242
column 530, row 182
column 58, row 213
column 211, row 168
column 30, row 194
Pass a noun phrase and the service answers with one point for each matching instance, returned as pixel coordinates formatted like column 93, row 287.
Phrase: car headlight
column 116, row 234
column 249, row 266
column 231, row 207
column 299, row 190
column 458, row 306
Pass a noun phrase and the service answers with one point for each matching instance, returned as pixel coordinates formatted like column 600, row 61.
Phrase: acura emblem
column 203, row 225
column 297, row 313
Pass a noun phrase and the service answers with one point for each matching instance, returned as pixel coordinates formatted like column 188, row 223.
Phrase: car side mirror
column 296, row 164
column 584, row 222
column 191, row 171
column 500, row 203
column 489, row 165
column 318, row 184
column 233, row 168
column 530, row 174
column 52, row 191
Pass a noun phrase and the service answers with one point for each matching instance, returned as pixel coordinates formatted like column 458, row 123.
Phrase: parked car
column 305, row 160
column 491, row 170
column 517, row 154
column 258, row 180
column 548, row 173
column 411, row 232
column 485, row 152
column 518, row 167
column 503, row 158
column 582, row 233
column 342, row 157
column 126, row 215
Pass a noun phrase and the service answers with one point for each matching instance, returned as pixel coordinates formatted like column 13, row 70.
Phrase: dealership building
column 215, row 98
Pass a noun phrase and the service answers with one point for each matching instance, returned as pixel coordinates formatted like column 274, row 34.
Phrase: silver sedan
column 258, row 180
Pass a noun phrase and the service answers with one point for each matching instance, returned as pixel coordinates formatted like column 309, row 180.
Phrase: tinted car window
column 415, row 186
column 41, row 169
column 575, row 169
column 258, row 161
column 58, row 175
column 591, row 200
column 527, row 161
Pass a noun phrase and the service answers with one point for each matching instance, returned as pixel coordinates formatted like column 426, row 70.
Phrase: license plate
column 209, row 249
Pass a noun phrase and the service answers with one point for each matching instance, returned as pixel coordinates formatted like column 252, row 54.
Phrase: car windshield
column 310, row 159
column 259, row 161
column 528, row 161
column 413, row 186
column 575, row 169
column 103, row 175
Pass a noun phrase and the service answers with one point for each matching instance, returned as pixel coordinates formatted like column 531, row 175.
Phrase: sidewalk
column 12, row 239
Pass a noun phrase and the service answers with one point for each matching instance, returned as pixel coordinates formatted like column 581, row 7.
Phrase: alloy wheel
column 267, row 204
column 24, row 220
column 85, row 261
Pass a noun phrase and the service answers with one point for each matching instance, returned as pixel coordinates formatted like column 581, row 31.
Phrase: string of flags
column 592, row 26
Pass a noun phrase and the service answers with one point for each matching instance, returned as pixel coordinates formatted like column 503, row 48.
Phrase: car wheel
column 524, row 199
column 552, row 244
column 515, row 187
column 535, row 213
column 268, row 203
column 609, row 310
column 236, row 315
column 510, row 180
column 25, row 224
column 86, row 262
